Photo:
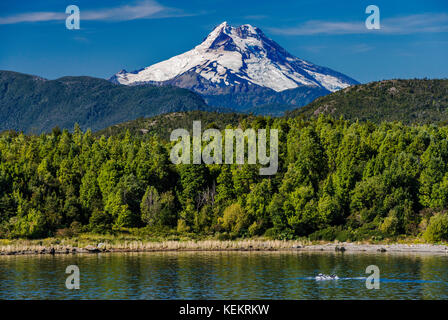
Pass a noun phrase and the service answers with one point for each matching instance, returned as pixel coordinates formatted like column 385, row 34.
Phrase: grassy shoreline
column 98, row 244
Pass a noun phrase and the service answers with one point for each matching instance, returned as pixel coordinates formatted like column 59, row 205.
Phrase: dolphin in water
column 321, row 276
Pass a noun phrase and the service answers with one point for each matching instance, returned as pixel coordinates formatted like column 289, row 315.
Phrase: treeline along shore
column 336, row 180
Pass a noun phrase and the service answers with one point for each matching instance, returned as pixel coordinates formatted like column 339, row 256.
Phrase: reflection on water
column 224, row 275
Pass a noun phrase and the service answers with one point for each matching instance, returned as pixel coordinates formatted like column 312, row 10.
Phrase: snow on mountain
column 235, row 56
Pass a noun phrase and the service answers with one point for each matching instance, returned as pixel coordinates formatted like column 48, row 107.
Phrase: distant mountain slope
column 34, row 104
column 256, row 98
column 235, row 62
column 408, row 101
column 163, row 125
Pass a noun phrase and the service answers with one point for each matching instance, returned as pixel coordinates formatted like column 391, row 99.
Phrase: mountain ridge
column 412, row 93
column 405, row 100
column 33, row 104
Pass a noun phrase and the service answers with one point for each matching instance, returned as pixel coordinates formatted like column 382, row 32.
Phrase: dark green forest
column 409, row 101
column 34, row 105
column 337, row 180
column 162, row 125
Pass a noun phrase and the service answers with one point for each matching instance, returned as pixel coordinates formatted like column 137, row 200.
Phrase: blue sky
column 114, row 34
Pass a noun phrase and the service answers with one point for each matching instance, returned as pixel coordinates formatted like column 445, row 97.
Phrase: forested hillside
column 336, row 180
column 163, row 125
column 33, row 104
column 407, row 101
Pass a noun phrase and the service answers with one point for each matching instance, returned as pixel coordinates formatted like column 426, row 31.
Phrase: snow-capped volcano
column 237, row 57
